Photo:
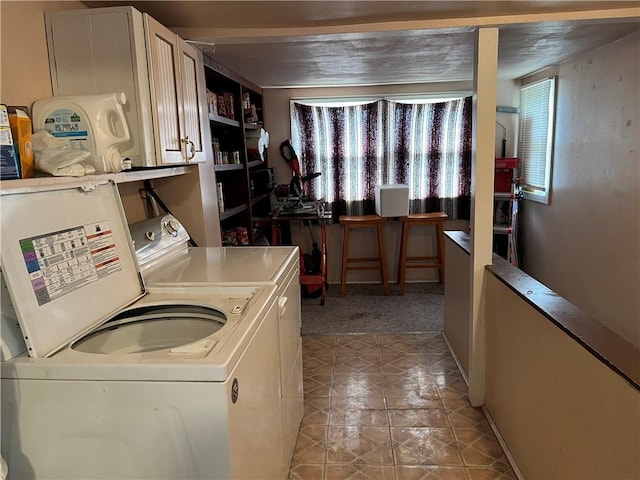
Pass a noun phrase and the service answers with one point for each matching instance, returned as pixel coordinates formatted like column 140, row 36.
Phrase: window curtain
column 426, row 146
column 344, row 144
column 430, row 151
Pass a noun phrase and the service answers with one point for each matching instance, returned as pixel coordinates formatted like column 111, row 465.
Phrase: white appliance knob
column 172, row 227
column 151, row 236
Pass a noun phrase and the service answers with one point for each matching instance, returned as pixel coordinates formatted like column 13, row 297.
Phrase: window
column 535, row 146
column 355, row 146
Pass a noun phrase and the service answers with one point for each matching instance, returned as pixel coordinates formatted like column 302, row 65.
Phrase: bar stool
column 435, row 219
column 363, row 221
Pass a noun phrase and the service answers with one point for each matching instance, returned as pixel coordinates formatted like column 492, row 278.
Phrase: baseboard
column 455, row 359
column 503, row 444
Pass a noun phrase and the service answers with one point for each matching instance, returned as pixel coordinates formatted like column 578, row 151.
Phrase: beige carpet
column 365, row 309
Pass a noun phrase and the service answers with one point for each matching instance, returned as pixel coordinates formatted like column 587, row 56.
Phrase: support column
column 482, row 175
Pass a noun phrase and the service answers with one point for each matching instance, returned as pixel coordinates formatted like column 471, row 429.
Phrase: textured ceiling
column 312, row 43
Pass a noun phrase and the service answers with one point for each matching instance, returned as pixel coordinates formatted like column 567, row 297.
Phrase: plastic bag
column 53, row 156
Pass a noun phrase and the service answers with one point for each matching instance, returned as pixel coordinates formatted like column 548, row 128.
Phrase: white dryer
column 122, row 381
column 258, row 267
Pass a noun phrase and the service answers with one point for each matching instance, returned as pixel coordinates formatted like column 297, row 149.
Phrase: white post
column 482, row 174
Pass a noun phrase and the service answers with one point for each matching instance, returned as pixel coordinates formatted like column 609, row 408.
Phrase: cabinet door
column 103, row 50
column 194, row 98
column 166, row 92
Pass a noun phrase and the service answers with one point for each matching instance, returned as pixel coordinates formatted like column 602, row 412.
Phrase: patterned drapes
column 426, row 146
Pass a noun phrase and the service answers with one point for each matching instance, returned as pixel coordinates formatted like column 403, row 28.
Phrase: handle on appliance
column 192, row 146
column 282, row 306
column 115, row 121
column 117, row 124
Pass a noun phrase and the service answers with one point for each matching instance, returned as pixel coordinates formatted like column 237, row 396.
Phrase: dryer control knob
column 172, row 227
column 151, row 236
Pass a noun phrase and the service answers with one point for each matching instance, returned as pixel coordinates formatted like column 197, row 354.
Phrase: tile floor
column 390, row 407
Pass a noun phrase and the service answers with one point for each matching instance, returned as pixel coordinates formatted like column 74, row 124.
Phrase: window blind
column 536, row 133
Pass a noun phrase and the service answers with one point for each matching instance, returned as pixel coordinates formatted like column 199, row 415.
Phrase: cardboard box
column 21, row 131
column 9, row 162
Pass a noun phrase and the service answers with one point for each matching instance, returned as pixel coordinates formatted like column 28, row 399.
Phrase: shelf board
column 232, row 211
column 252, row 126
column 150, row 174
column 256, row 163
column 259, row 198
column 228, row 166
column 121, row 177
column 224, row 120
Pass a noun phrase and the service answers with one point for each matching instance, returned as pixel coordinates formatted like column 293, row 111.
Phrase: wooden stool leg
column 275, row 233
column 323, row 262
column 382, row 258
column 440, row 247
column 402, row 265
column 345, row 259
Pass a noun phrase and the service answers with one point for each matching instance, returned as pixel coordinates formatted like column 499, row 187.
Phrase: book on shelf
column 212, row 101
column 222, row 106
column 220, row 197
column 228, row 101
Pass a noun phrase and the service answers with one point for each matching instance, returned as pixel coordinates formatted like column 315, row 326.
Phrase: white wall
column 508, row 95
column 585, row 245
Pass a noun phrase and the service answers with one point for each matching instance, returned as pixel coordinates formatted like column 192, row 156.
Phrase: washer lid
column 68, row 260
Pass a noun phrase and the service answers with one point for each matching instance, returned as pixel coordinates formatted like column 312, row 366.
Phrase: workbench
column 316, row 279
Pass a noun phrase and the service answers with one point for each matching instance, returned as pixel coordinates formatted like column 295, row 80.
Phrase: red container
column 504, row 175
column 507, row 162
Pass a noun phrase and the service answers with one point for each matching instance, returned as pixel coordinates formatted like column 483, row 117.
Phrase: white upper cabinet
column 194, row 95
column 177, row 76
column 119, row 49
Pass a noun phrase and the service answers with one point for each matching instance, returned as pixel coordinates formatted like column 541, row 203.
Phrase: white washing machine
column 122, row 381
column 238, row 266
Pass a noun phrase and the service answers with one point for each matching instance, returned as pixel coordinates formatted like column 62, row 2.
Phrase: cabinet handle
column 185, row 141
column 282, row 306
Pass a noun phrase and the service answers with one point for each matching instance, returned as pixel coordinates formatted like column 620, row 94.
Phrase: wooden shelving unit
column 235, row 108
